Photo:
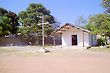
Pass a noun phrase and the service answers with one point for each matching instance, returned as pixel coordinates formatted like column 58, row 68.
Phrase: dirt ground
column 63, row 61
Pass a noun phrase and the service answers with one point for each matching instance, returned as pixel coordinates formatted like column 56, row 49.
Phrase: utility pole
column 43, row 44
column 43, row 38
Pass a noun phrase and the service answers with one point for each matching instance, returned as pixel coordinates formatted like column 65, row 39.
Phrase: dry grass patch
column 30, row 53
column 7, row 50
column 100, row 49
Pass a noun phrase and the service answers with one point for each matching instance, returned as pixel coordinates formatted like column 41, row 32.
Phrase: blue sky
column 63, row 10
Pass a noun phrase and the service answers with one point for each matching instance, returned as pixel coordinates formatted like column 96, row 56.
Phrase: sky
column 65, row 11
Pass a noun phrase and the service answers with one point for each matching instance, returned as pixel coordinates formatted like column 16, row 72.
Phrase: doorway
column 74, row 39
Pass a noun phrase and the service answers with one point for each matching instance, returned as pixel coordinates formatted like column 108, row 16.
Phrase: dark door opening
column 74, row 39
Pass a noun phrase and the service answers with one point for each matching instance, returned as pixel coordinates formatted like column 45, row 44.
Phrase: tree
column 4, row 26
column 31, row 18
column 8, row 22
column 81, row 21
column 3, row 11
column 99, row 24
column 106, row 5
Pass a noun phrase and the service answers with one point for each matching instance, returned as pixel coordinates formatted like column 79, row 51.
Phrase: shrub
column 100, row 42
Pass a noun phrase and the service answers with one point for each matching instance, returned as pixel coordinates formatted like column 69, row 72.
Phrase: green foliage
column 99, row 24
column 106, row 5
column 4, row 26
column 31, row 18
column 100, row 42
column 92, row 28
column 8, row 22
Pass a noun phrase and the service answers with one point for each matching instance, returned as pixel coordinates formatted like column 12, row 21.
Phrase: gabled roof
column 66, row 26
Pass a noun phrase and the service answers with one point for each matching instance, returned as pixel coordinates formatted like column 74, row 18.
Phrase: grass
column 26, row 53
column 19, row 52
column 7, row 50
column 99, row 49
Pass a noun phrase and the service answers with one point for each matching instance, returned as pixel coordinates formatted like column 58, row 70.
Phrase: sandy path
column 86, row 62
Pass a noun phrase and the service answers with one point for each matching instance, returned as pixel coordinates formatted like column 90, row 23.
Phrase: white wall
column 67, row 40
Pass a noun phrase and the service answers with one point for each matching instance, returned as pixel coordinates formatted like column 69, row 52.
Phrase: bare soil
column 62, row 61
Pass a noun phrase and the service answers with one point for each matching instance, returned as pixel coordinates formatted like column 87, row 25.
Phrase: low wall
column 23, row 41
column 11, row 41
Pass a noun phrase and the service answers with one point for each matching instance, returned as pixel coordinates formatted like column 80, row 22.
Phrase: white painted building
column 75, row 36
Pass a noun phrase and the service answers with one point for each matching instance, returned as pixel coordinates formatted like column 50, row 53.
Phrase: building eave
column 65, row 27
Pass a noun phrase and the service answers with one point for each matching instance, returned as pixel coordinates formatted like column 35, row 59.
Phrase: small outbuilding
column 75, row 36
